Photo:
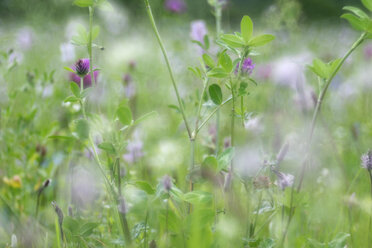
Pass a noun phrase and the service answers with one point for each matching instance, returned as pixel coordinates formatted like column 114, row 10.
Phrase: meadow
column 147, row 127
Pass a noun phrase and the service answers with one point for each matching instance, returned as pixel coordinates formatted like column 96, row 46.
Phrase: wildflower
column 198, row 30
column 227, row 142
column 129, row 86
column 167, row 183
column 60, row 216
column 247, row 67
column 284, row 180
column 175, row 6
column 367, row 160
column 134, row 150
column 81, row 69
column 212, row 131
column 14, row 242
column 25, row 38
column 254, row 124
column 15, row 182
column 368, row 52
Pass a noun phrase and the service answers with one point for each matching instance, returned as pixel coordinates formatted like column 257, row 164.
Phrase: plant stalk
column 161, row 44
column 91, row 12
column 355, row 45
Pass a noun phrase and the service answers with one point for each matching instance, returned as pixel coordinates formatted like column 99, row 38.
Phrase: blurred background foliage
column 37, row 10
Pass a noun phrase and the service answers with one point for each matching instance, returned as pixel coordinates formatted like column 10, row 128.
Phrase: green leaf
column 225, row 61
column 198, row 197
column 71, row 99
column 217, row 73
column 69, row 138
column 75, row 89
column 320, row 68
column 367, row 4
column 195, row 71
column 85, row 92
column 242, row 89
column 145, row 186
column 356, row 11
column 355, row 22
column 108, row 147
column 125, row 115
column 69, row 69
column 246, row 28
column 82, row 129
column 144, row 117
column 225, row 158
column 210, row 162
column 208, row 60
column 261, row 40
column 95, row 32
column 71, row 224
column 339, row 241
column 206, row 42
column 215, row 93
column 232, row 40
column 87, row 228
column 84, row 3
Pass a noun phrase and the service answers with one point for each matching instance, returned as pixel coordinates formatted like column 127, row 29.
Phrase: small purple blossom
column 82, row 67
column 134, row 150
column 366, row 160
column 368, row 52
column 284, row 180
column 247, row 67
column 82, row 70
column 227, row 142
column 25, row 38
column 167, row 183
column 175, row 6
column 198, row 30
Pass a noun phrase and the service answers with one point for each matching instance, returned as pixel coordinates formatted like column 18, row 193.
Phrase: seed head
column 366, row 160
column 167, row 183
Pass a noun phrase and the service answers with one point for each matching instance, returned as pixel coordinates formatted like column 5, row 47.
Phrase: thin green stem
column 313, row 123
column 370, row 216
column 218, row 15
column 211, row 114
column 320, row 101
column 91, row 12
column 161, row 44
column 205, row 85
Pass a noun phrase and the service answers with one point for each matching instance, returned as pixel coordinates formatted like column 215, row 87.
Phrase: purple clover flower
column 167, row 183
column 198, row 30
column 175, row 6
column 129, row 86
column 134, row 150
column 247, row 67
column 284, row 180
column 366, row 160
column 81, row 69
